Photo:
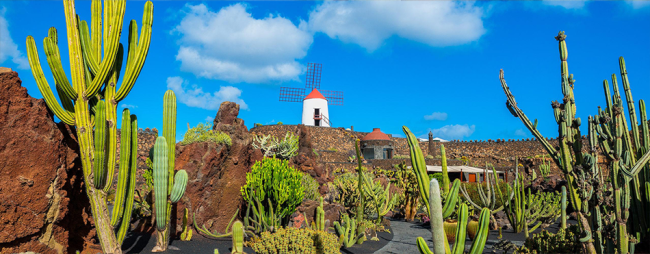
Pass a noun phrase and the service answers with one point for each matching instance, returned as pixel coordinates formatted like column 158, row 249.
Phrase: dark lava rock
column 42, row 205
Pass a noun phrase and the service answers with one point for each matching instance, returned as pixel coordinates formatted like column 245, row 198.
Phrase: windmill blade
column 291, row 94
column 312, row 80
column 334, row 98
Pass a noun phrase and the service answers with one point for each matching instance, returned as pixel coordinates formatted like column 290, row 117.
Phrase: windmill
column 314, row 104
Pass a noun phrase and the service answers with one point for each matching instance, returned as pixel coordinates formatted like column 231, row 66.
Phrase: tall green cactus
column 420, row 169
column 440, row 244
column 587, row 190
column 319, row 223
column 563, row 216
column 89, row 101
column 545, row 168
column 168, row 187
column 237, row 238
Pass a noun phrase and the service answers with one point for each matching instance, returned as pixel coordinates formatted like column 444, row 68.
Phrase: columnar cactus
column 168, row 187
column 420, row 169
column 350, row 232
column 319, row 223
column 440, row 244
column 563, row 215
column 545, row 168
column 380, row 196
column 526, row 209
column 488, row 198
column 237, row 238
column 89, row 102
column 588, row 192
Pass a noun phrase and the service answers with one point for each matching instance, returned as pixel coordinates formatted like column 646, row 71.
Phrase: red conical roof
column 315, row 94
column 376, row 134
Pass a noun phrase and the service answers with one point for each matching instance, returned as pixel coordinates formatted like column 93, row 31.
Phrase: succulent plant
column 597, row 205
column 169, row 187
column 89, row 102
column 350, row 233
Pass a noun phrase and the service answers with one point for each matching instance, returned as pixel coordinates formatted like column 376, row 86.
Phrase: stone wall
column 500, row 153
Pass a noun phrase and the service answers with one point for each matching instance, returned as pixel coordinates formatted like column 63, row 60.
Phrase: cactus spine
column 89, row 102
column 168, row 187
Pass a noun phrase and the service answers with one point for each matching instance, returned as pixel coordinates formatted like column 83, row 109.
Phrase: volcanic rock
column 217, row 172
column 42, row 205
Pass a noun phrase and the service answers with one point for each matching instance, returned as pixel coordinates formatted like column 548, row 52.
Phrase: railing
column 322, row 117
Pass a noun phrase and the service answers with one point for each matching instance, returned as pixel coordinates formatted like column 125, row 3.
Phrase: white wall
column 308, row 107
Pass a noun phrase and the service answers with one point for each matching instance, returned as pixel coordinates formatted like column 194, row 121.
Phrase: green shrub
column 203, row 132
column 332, row 149
column 279, row 123
column 294, row 240
column 273, row 182
column 429, row 156
column 310, row 186
column 257, row 125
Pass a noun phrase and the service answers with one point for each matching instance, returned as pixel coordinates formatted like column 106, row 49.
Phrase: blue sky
column 432, row 66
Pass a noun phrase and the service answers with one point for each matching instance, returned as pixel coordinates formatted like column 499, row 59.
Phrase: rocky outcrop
column 217, row 172
column 42, row 205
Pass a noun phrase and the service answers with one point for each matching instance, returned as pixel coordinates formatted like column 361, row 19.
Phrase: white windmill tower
column 314, row 110
column 314, row 106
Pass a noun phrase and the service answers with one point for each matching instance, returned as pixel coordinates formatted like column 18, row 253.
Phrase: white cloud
column 9, row 49
column 233, row 46
column 638, row 4
column 440, row 116
column 370, row 23
column 521, row 132
column 128, row 106
column 194, row 96
column 209, row 119
column 456, row 131
column 567, row 4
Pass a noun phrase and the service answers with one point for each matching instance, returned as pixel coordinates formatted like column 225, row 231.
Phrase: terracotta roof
column 376, row 134
column 315, row 94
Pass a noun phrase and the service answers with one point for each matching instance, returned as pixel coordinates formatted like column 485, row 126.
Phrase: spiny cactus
column 319, row 223
column 350, row 232
column 380, row 197
column 420, row 169
column 274, row 147
column 237, row 238
column 89, row 102
column 488, row 198
column 186, row 234
column 563, row 215
column 526, row 209
column 545, row 168
column 440, row 244
column 168, row 187
column 589, row 193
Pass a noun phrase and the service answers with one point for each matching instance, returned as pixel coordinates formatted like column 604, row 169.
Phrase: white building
column 314, row 110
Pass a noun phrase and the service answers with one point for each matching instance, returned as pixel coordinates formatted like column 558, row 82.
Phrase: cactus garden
column 85, row 169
